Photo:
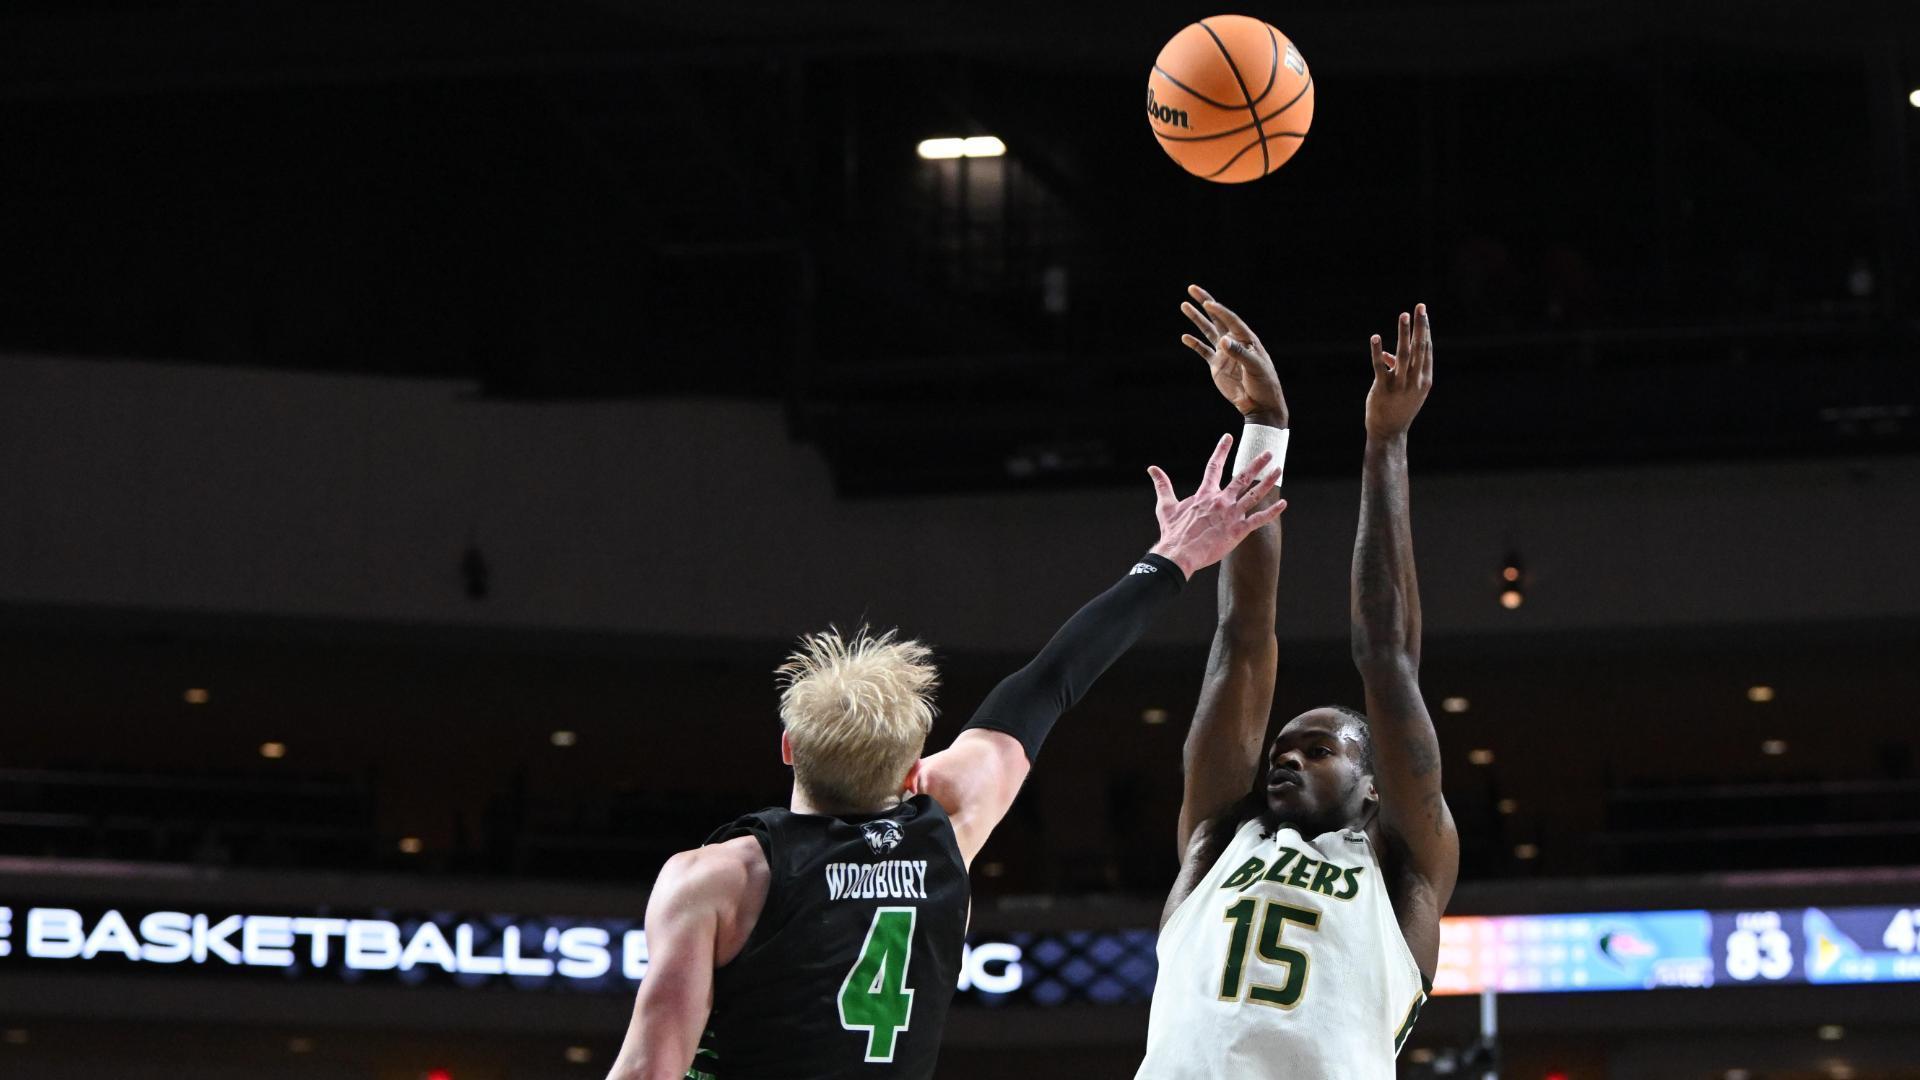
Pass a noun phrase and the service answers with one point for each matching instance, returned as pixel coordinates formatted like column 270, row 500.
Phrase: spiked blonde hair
column 857, row 713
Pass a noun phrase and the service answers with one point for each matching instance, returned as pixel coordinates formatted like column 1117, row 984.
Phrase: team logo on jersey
column 883, row 836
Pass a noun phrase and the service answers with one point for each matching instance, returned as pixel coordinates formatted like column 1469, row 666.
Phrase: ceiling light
column 1913, row 99
column 273, row 750
column 578, row 1055
column 1759, row 694
column 1526, row 851
column 1153, row 716
column 1774, row 747
column 195, row 695
column 563, row 738
column 1508, row 806
column 976, row 146
column 1454, row 704
column 1832, row 1033
column 1480, row 756
column 1512, row 598
column 410, row 845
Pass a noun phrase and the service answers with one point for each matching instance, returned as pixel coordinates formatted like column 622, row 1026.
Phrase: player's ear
column 912, row 782
column 786, row 747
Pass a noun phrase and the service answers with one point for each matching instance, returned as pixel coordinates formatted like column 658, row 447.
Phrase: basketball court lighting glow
column 195, row 695
column 578, row 1055
column 1512, row 599
column 410, row 845
column 1759, row 694
column 1525, row 851
column 1832, row 1032
column 1913, row 99
column 1454, row 704
column 563, row 738
column 273, row 750
column 1481, row 756
column 974, row 146
column 1774, row 747
column 1153, row 716
column 1508, row 806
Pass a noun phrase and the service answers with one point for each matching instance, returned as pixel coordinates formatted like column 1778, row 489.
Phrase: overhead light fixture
column 1454, row 704
column 1480, row 756
column 1508, row 806
column 1759, row 694
column 1832, row 1033
column 1774, row 747
column 1913, row 99
column 1526, row 851
column 410, row 845
column 195, row 695
column 1153, row 716
column 975, row 146
column 273, row 751
column 1513, row 576
column 578, row 1055
column 563, row 738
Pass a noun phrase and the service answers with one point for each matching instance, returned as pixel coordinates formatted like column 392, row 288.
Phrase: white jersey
column 1285, row 961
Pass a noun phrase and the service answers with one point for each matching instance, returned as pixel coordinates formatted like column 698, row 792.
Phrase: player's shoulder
column 718, row 870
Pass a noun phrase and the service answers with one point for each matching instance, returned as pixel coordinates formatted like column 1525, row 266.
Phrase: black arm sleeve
column 1027, row 702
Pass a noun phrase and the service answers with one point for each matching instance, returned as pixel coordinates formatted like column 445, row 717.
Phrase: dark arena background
column 423, row 429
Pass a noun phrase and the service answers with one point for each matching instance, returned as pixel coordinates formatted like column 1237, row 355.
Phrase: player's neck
column 801, row 804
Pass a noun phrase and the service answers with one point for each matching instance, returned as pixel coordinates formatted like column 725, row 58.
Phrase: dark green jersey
column 851, row 967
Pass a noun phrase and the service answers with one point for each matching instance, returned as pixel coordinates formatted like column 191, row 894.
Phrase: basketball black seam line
column 1266, row 162
column 1216, row 104
column 1263, row 145
column 1242, row 127
column 1273, row 72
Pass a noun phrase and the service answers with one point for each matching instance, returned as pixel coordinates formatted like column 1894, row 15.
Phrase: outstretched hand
column 1241, row 368
column 1401, row 378
column 1199, row 530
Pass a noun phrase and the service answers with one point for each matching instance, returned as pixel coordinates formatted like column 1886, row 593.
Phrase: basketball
column 1230, row 99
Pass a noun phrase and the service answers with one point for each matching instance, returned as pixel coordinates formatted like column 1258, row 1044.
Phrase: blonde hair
column 857, row 713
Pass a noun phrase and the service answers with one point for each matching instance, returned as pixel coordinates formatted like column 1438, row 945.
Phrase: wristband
column 1255, row 438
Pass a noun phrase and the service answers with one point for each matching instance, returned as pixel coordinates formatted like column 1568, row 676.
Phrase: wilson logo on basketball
column 1171, row 117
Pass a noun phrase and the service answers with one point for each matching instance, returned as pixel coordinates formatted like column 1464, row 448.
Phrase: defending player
column 824, row 940
column 1302, row 932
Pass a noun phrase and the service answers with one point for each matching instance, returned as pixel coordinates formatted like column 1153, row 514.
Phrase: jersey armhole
column 771, row 915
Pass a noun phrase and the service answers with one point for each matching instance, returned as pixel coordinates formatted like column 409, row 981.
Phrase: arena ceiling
column 1648, row 231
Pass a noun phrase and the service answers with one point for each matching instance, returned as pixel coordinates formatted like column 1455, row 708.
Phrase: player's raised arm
column 1229, row 725
column 702, row 909
column 977, row 777
column 1423, row 850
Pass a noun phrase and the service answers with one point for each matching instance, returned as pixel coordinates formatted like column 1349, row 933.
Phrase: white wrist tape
column 1256, row 438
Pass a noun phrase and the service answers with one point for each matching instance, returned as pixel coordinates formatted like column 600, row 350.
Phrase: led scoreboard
column 1621, row 950
column 1643, row 950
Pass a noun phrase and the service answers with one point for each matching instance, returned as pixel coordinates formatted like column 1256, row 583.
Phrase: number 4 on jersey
column 875, row 998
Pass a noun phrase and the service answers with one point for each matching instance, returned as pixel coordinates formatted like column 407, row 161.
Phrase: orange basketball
column 1230, row 99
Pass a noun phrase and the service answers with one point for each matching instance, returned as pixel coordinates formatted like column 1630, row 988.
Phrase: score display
column 1646, row 950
